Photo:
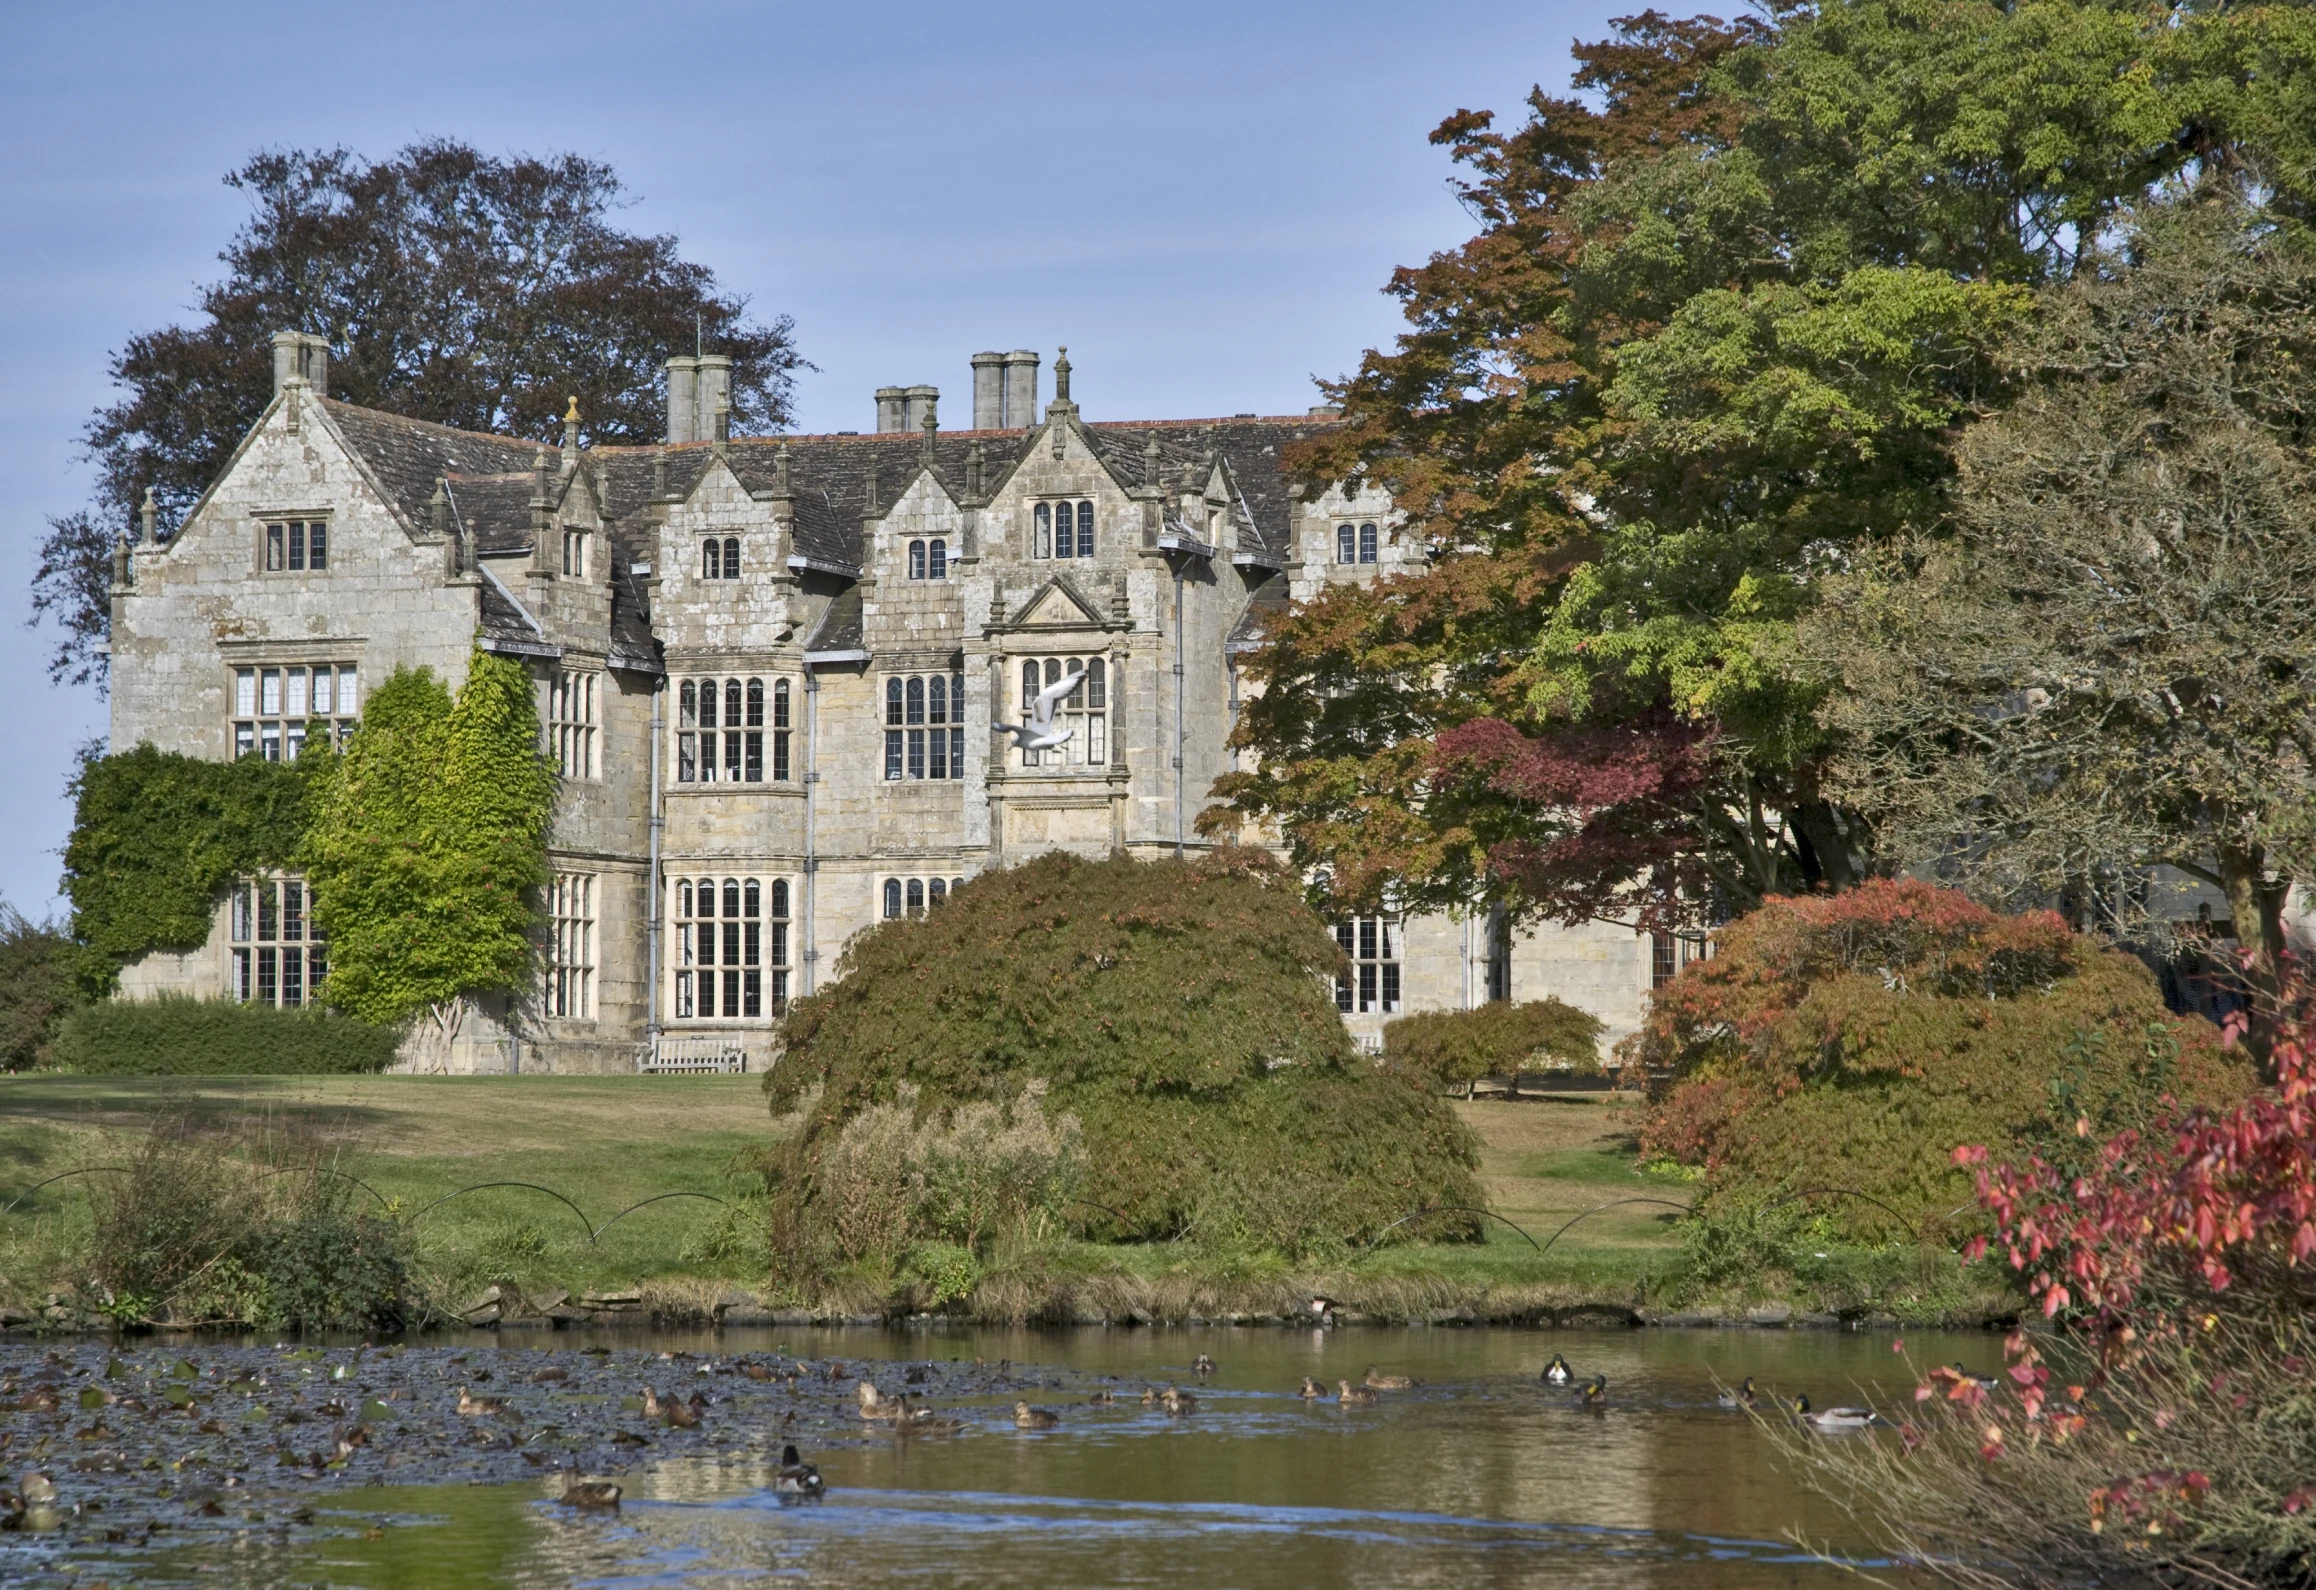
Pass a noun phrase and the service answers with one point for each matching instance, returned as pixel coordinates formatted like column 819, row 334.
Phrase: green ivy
column 429, row 843
column 156, row 836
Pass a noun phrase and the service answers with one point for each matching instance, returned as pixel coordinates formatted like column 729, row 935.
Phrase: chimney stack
column 918, row 403
column 892, row 406
column 300, row 356
column 683, row 382
column 989, row 391
column 713, row 423
column 1020, row 389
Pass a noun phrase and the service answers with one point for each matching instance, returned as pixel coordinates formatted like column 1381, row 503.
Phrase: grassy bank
column 607, row 1143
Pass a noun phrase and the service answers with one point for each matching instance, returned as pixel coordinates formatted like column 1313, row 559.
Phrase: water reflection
column 1480, row 1477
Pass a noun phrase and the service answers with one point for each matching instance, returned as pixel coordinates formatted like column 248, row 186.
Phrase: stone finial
column 782, row 486
column 571, row 430
column 438, row 506
column 541, row 469
column 1061, row 375
column 121, row 559
column 869, row 489
column 974, row 468
column 148, row 515
column 658, row 473
column 932, row 430
column 723, row 423
column 1153, row 466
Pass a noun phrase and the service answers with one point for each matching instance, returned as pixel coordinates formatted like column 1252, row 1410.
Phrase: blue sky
column 1202, row 200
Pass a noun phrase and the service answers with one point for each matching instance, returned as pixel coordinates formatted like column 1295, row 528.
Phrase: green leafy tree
column 40, row 984
column 428, row 847
column 453, row 286
column 1716, row 331
column 2109, row 666
column 1453, row 1048
column 1182, row 1013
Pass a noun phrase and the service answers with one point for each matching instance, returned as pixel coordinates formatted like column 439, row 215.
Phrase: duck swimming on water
column 1594, row 1393
column 1833, row 1418
column 1026, row 1417
column 1353, row 1396
column 1312, row 1390
column 1742, row 1397
column 796, row 1477
column 1557, row 1372
column 1376, row 1382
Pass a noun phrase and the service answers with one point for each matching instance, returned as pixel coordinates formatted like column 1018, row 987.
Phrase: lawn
column 607, row 1143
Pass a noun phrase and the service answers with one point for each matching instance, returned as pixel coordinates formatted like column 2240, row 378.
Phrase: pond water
column 1481, row 1475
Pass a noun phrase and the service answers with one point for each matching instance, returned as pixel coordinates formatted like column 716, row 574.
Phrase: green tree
column 2109, row 666
column 453, row 286
column 428, row 846
column 1183, row 1013
column 39, row 986
column 1715, row 332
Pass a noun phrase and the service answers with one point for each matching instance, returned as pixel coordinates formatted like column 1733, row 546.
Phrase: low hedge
column 180, row 1036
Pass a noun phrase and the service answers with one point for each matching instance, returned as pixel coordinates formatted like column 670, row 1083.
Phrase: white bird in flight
column 1039, row 733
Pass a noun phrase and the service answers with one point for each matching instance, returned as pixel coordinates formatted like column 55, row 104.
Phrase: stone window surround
column 265, row 520
column 729, row 966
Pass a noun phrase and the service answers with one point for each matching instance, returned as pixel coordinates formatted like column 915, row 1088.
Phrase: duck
column 1026, row 1417
column 873, row 1404
column 1594, row 1393
column 471, row 1406
column 1376, row 1382
column 653, row 1408
column 1203, row 1367
column 796, row 1477
column 1149, row 1396
column 924, row 1421
column 683, row 1415
column 1353, row 1396
column 591, row 1496
column 1557, row 1372
column 1323, row 1310
column 1833, row 1418
column 1982, row 1382
column 1178, row 1402
column 756, row 1371
column 1101, row 1399
column 1742, row 1397
column 1312, row 1391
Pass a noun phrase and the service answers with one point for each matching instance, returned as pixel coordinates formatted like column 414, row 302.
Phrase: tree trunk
column 2256, row 900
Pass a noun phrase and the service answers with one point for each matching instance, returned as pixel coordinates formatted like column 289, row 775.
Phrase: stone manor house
column 767, row 669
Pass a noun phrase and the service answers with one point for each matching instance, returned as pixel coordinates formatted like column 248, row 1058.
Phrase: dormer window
column 1062, row 530
column 1355, row 543
column 720, row 558
column 929, row 560
column 297, row 546
column 575, row 553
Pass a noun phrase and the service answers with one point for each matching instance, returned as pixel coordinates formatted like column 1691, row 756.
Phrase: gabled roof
column 407, row 457
column 1270, row 599
column 1247, row 448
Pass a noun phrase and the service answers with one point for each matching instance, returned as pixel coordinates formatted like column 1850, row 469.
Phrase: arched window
column 1346, row 543
column 1084, row 711
column 720, row 959
column 1085, row 529
column 1367, row 543
column 916, row 560
column 937, row 553
column 956, row 884
column 916, row 897
column 892, row 899
column 925, row 726
column 737, row 755
column 1041, row 545
column 936, row 890
column 731, row 557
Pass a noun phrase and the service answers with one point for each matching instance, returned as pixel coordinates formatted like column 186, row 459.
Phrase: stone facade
column 769, row 668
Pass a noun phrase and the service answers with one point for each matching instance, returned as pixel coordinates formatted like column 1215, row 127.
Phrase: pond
column 1481, row 1474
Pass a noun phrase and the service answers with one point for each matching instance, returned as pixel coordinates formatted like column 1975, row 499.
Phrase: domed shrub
column 1852, row 1042
column 1181, row 1014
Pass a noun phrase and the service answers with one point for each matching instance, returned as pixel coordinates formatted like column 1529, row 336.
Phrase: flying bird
column 1039, row 733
